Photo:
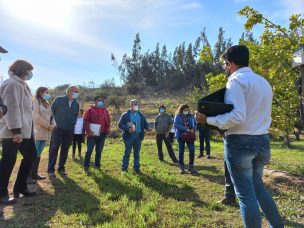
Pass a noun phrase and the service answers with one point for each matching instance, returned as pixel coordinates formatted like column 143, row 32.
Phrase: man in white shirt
column 247, row 142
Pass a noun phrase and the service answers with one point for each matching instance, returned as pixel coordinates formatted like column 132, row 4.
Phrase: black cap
column 2, row 50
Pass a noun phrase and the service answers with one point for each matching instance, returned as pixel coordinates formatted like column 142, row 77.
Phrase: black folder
column 213, row 105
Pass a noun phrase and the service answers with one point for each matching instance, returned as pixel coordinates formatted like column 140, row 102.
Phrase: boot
column 34, row 171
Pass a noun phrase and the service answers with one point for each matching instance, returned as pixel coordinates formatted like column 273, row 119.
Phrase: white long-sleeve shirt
column 251, row 96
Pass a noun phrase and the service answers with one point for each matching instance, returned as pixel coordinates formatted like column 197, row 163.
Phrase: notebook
column 213, row 105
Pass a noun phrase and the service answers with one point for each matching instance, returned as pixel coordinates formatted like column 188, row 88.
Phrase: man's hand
column 90, row 133
column 192, row 131
column 17, row 138
column 150, row 129
column 201, row 118
column 131, row 130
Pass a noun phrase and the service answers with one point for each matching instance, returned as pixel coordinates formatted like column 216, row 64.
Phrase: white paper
column 95, row 128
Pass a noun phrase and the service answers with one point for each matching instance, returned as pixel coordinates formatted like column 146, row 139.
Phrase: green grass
column 289, row 160
column 159, row 198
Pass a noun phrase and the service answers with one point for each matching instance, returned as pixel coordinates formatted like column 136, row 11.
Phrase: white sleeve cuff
column 212, row 121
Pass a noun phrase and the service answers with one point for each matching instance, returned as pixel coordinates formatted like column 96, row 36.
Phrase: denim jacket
column 179, row 124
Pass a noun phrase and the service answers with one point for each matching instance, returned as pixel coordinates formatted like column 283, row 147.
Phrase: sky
column 71, row 41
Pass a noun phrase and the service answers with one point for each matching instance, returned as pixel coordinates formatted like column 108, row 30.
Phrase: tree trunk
column 302, row 95
column 287, row 140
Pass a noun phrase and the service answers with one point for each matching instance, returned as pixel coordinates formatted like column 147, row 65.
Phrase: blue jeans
column 40, row 144
column 204, row 137
column 98, row 142
column 246, row 156
column 181, row 151
column 132, row 141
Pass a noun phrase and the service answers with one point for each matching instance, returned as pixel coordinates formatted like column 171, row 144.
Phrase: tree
column 221, row 45
column 271, row 58
column 130, row 68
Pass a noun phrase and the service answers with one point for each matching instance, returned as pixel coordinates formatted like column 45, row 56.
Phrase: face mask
column 227, row 71
column 29, row 76
column 46, row 97
column 185, row 113
column 136, row 108
column 75, row 95
column 162, row 110
column 100, row 104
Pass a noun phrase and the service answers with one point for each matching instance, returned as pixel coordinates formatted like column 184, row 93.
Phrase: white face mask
column 75, row 95
column 136, row 108
column 29, row 76
column 185, row 112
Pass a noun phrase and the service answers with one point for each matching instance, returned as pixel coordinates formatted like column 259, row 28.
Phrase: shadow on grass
column 293, row 224
column 68, row 198
column 210, row 168
column 218, row 179
column 115, row 188
column 168, row 190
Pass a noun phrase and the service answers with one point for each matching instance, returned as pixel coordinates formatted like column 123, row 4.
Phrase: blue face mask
column 162, row 110
column 46, row 97
column 100, row 104
column 75, row 95
column 29, row 76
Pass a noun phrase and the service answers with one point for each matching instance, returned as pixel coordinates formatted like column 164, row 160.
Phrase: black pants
column 78, row 139
column 229, row 188
column 60, row 138
column 171, row 137
column 159, row 140
column 204, row 137
column 9, row 156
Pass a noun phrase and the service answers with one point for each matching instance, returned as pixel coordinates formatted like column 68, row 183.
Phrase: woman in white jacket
column 44, row 125
column 16, row 130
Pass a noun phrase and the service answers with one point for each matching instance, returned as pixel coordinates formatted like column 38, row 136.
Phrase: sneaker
column 38, row 177
column 181, row 170
column 124, row 171
column 137, row 172
column 86, row 170
column 227, row 201
column 7, row 200
column 200, row 155
column 208, row 156
column 51, row 174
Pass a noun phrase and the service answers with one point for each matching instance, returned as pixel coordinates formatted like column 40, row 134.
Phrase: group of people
column 246, row 140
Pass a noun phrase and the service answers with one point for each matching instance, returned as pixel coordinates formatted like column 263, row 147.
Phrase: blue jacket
column 179, row 124
column 123, row 124
column 64, row 115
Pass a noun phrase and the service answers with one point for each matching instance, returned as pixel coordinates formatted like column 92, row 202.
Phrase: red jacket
column 97, row 116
